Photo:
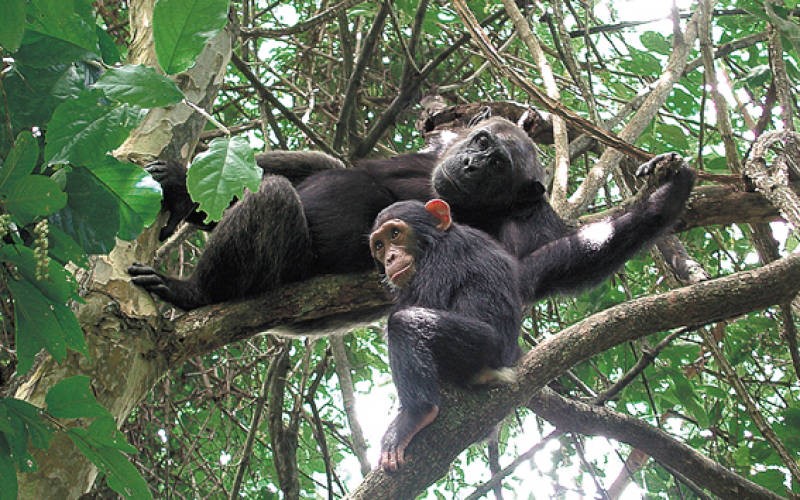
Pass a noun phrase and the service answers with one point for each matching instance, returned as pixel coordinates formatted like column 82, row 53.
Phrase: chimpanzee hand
column 663, row 167
column 669, row 183
column 168, row 174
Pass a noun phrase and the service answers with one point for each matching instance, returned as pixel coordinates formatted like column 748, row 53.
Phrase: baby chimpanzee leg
column 425, row 344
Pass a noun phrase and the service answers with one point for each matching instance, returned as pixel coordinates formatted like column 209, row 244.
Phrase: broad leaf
column 139, row 86
column 121, row 475
column 221, row 173
column 8, row 473
column 82, row 130
column 68, row 20
column 32, row 197
column 72, row 397
column 181, row 29
column 138, row 196
column 91, row 217
column 20, row 161
column 26, row 427
column 12, row 12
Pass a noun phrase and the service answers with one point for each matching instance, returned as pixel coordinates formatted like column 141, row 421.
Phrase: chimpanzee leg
column 260, row 242
column 424, row 344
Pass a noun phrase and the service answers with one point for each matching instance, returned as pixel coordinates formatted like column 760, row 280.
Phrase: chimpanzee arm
column 425, row 344
column 590, row 254
column 296, row 165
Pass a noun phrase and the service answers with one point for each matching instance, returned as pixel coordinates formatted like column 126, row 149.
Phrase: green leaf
column 59, row 287
column 68, row 20
column 121, row 475
column 36, row 325
column 137, row 194
column 73, row 398
column 33, row 197
column 12, row 12
column 83, row 130
column 20, row 161
column 655, row 42
column 42, row 318
column 139, row 86
column 181, row 29
column 28, row 415
column 91, row 217
column 64, row 249
column 108, row 49
column 106, row 432
column 8, row 473
column 221, row 173
column 42, row 51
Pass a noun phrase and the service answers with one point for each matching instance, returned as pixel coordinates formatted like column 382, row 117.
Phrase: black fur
column 459, row 314
column 490, row 175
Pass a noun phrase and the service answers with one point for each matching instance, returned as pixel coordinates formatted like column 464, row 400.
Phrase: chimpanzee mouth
column 452, row 181
column 401, row 273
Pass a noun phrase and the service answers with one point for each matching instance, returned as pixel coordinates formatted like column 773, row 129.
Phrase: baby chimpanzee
column 457, row 314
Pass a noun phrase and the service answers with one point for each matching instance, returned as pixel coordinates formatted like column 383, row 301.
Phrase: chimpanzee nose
column 468, row 164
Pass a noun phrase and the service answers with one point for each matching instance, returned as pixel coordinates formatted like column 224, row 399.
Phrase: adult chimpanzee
column 457, row 313
column 490, row 175
column 459, row 294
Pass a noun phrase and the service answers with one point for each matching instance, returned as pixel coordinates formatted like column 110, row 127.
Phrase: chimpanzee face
column 487, row 167
column 392, row 246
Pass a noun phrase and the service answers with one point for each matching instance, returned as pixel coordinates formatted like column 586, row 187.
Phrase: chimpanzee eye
column 378, row 245
column 483, row 142
column 395, row 233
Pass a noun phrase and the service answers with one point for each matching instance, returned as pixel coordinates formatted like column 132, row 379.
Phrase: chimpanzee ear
column 441, row 210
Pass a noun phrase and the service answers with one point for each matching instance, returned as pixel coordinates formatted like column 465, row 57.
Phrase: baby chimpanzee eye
column 378, row 245
column 395, row 233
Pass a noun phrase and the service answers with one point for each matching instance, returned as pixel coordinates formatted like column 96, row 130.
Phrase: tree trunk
column 121, row 322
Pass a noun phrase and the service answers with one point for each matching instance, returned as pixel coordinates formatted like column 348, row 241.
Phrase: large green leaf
column 181, row 29
column 68, row 20
column 218, row 175
column 82, row 130
column 8, row 473
column 121, row 475
column 92, row 215
column 137, row 194
column 72, row 397
column 20, row 161
column 12, row 12
column 41, row 323
column 32, row 197
column 139, row 86
column 64, row 249
column 42, row 51
column 23, row 425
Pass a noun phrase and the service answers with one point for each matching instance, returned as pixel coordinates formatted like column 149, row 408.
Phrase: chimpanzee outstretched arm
column 425, row 344
column 590, row 254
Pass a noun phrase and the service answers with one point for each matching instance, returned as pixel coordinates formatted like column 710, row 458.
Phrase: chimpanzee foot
column 149, row 279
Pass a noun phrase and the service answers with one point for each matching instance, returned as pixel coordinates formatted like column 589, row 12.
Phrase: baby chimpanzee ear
column 441, row 210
